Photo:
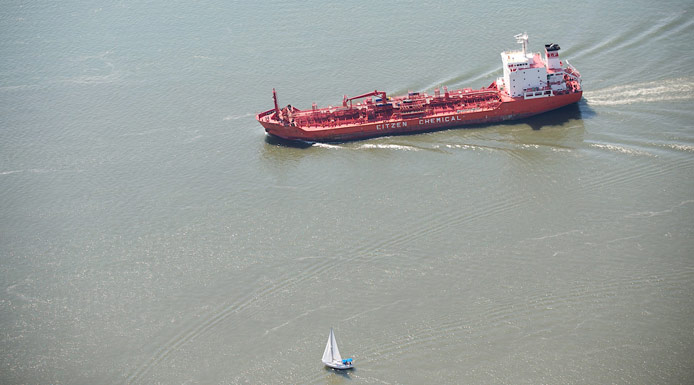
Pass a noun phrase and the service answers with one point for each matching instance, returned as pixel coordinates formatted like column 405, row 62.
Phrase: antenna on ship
column 522, row 38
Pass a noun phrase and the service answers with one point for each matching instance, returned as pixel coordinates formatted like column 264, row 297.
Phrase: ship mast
column 274, row 98
column 522, row 38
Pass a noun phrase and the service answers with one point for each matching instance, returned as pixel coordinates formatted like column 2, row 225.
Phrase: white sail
column 331, row 353
column 328, row 353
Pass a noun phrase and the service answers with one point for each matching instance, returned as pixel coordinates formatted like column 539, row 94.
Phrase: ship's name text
column 391, row 125
column 439, row 120
column 421, row 122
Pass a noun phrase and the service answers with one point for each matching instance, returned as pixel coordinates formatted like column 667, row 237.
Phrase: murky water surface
column 150, row 233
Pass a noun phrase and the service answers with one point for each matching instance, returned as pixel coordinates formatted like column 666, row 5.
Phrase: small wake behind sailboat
column 332, row 357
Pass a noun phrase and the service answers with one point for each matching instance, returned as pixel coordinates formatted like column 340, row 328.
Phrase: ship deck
column 394, row 109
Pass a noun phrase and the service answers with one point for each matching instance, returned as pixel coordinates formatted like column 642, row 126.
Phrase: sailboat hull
column 340, row 366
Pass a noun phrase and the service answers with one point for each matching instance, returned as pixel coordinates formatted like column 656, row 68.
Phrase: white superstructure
column 528, row 75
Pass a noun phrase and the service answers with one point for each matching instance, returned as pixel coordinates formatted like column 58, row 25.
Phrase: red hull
column 507, row 109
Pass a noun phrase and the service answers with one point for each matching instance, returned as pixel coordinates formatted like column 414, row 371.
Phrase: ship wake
column 647, row 92
column 368, row 146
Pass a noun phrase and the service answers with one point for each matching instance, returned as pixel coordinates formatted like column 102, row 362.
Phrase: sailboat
column 332, row 357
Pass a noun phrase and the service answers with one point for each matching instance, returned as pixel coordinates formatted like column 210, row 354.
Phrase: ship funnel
column 552, row 56
column 522, row 38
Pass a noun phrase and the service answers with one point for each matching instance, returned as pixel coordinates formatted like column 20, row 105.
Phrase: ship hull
column 508, row 109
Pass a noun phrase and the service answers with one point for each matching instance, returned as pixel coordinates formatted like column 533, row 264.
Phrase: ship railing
column 571, row 70
column 265, row 113
column 533, row 89
column 537, row 94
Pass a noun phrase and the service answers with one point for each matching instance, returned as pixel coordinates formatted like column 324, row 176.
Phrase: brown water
column 150, row 233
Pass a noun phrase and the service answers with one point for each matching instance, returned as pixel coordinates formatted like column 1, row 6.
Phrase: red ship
column 530, row 85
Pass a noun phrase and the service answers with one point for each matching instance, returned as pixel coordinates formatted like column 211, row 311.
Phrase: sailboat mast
column 328, row 353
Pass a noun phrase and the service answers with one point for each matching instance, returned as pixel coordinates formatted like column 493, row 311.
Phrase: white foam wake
column 367, row 146
column 10, row 172
column 623, row 150
column 647, row 92
column 325, row 145
column 389, row 147
column 237, row 117
column 681, row 147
